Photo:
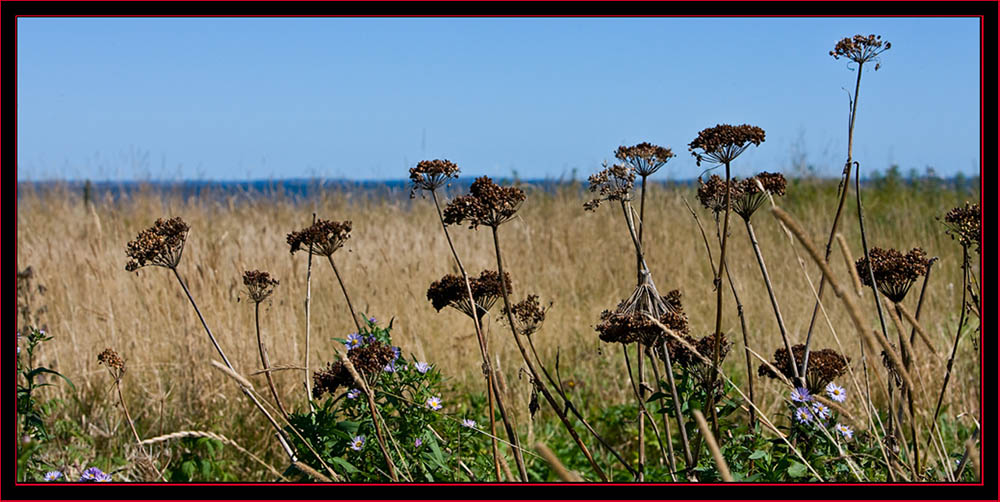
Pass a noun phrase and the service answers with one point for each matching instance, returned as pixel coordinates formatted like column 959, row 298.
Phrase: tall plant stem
column 954, row 347
column 354, row 317
column 642, row 219
column 905, row 349
column 718, row 310
column 688, row 458
column 280, row 433
column 131, row 424
column 642, row 390
column 492, row 389
column 774, row 302
column 667, row 434
column 845, row 184
column 642, row 410
column 539, row 383
column 306, row 375
column 265, row 362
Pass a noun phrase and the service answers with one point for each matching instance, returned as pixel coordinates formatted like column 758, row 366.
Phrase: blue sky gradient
column 258, row 98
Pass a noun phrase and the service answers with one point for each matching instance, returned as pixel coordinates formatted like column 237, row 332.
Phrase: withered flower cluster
column 487, row 204
column 431, row 174
column 369, row 359
column 860, row 48
column 450, row 291
column 701, row 367
column 824, row 366
column 645, row 158
column 324, row 236
column 528, row 315
column 259, row 284
column 712, row 193
column 611, row 183
column 963, row 225
column 160, row 245
column 894, row 272
column 111, row 359
column 629, row 323
column 754, row 191
column 723, row 143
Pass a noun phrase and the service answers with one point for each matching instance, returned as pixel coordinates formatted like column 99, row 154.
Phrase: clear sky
column 259, row 98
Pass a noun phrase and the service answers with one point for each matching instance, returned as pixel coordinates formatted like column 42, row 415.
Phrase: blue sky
column 239, row 98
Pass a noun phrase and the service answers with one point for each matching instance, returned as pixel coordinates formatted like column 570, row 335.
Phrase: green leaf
column 758, row 454
column 188, row 469
column 348, row 467
column 797, row 470
column 41, row 369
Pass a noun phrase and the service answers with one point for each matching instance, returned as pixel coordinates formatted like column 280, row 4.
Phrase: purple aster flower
column 353, row 393
column 821, row 410
column 434, row 403
column 844, row 431
column 469, row 423
column 52, row 475
column 354, row 341
column 836, row 392
column 357, row 443
column 801, row 395
column 103, row 478
column 396, row 352
column 91, row 475
column 391, row 367
column 803, row 415
column 423, row 367
column 418, row 442
column 372, row 320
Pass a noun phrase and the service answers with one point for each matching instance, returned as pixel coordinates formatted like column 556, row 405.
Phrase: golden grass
column 583, row 262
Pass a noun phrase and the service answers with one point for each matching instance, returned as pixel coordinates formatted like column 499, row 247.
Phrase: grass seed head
column 645, row 158
column 894, row 272
column 160, row 245
column 724, row 142
column 324, row 236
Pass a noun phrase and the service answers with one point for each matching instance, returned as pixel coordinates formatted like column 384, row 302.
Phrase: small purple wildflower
column 821, row 410
column 803, row 415
column 372, row 320
column 354, row 341
column 434, row 403
column 469, row 423
column 52, row 475
column 418, row 442
column 353, row 393
column 94, row 475
column 423, row 367
column 396, row 353
column 836, row 392
column 357, row 443
column 801, row 395
column 103, row 478
column 844, row 431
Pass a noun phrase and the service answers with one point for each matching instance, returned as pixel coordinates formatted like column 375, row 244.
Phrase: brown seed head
column 963, row 225
column 431, row 174
column 824, row 366
column 724, row 142
column 629, row 322
column 369, row 359
column 487, row 204
column 712, row 193
column 324, row 236
column 450, row 291
column 528, row 315
column 160, row 245
column 894, row 272
column 111, row 359
column 860, row 48
column 754, row 191
column 611, row 183
column 331, row 378
column 645, row 158
column 259, row 284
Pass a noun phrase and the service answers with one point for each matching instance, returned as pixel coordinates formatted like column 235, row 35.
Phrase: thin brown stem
column 265, row 363
column 688, row 458
column 306, row 376
column 668, row 436
column 954, row 347
column 718, row 307
column 343, row 288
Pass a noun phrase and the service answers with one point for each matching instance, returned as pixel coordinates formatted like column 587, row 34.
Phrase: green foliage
column 200, row 462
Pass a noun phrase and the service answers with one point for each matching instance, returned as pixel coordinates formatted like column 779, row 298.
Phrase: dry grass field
column 583, row 262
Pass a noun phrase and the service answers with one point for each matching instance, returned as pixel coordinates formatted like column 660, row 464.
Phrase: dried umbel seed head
column 645, row 158
column 611, row 183
column 723, row 143
column 111, row 359
column 528, row 315
column 328, row 380
column 963, row 224
column 432, row 174
column 712, row 193
column 824, row 366
column 894, row 272
column 450, row 291
column 371, row 357
column 324, row 236
column 628, row 324
column 160, row 245
column 487, row 204
column 860, row 48
column 753, row 192
column 259, row 284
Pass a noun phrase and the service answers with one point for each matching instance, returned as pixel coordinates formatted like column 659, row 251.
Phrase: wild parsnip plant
column 809, row 400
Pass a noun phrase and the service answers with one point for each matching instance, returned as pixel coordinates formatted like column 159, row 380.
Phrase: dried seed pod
column 160, row 245
column 753, row 192
column 724, row 142
column 963, row 224
column 611, row 183
column 111, row 359
column 259, row 284
column 432, row 174
column 712, row 193
column 528, row 315
column 487, row 204
column 450, row 291
column 894, row 272
column 324, row 236
column 645, row 158
column 861, row 48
